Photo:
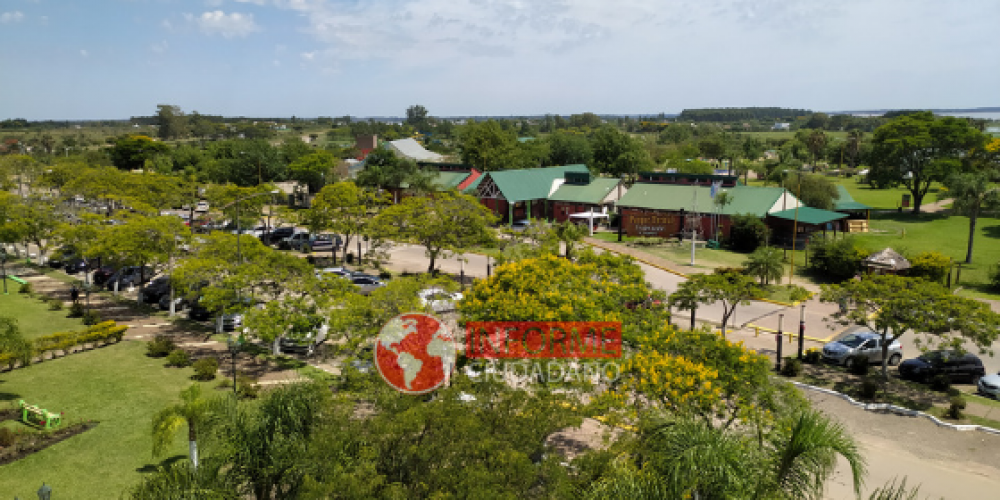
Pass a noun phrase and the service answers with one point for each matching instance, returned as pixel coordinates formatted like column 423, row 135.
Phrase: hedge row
column 99, row 334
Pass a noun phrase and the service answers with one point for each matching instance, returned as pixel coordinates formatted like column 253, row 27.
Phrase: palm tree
column 569, row 234
column 192, row 411
column 688, row 458
column 972, row 193
column 765, row 264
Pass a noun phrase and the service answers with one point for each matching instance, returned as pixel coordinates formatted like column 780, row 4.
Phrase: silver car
column 860, row 340
column 990, row 385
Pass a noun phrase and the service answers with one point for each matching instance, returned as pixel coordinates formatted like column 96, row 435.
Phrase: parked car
column 438, row 299
column 521, row 225
column 230, row 321
column 103, row 274
column 990, row 385
column 958, row 366
column 275, row 237
column 323, row 243
column 307, row 343
column 180, row 302
column 202, row 206
column 294, row 242
column 338, row 271
column 151, row 293
column 130, row 276
column 860, row 340
column 366, row 283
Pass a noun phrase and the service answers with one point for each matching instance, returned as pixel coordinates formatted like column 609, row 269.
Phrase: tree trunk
column 693, row 310
column 885, row 357
column 192, row 446
column 973, row 216
column 918, row 198
column 430, row 267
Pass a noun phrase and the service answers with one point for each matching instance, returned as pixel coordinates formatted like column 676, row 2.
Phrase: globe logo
column 415, row 353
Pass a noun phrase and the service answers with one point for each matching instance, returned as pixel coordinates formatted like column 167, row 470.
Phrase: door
column 875, row 350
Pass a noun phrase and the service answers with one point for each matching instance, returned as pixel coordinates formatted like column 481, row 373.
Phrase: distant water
column 981, row 116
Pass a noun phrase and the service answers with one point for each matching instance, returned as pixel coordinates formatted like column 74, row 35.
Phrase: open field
column 34, row 316
column 116, row 385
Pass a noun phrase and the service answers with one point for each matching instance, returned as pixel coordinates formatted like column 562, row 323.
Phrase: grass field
column 119, row 387
column 33, row 316
column 884, row 198
column 909, row 234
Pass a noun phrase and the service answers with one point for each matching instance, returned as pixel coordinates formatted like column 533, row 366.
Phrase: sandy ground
column 949, row 464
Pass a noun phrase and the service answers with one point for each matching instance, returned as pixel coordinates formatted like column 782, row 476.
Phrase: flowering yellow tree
column 702, row 374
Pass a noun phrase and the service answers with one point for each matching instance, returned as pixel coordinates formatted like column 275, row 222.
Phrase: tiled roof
column 592, row 193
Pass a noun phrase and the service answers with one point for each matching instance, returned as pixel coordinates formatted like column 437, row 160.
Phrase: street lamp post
column 234, row 346
column 802, row 329
column 3, row 268
column 781, row 318
column 239, row 254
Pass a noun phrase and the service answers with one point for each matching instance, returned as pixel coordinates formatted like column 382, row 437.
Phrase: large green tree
column 447, row 223
column 131, row 152
column 919, row 149
column 314, row 170
column 171, row 122
column 814, row 190
column 619, row 154
column 895, row 305
column 728, row 289
column 344, row 208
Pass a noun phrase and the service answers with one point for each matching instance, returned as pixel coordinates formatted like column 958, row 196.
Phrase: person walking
column 74, row 293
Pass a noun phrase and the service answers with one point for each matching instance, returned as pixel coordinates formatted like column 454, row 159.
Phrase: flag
column 715, row 188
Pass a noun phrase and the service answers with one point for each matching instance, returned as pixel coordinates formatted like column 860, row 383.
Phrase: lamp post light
column 234, row 345
column 3, row 268
column 802, row 329
column 781, row 318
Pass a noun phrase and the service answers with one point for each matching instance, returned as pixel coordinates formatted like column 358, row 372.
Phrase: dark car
column 130, row 276
column 180, row 302
column 958, row 366
column 275, row 237
column 103, row 274
column 155, row 290
column 76, row 266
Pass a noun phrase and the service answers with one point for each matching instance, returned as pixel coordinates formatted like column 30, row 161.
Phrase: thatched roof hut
column 887, row 261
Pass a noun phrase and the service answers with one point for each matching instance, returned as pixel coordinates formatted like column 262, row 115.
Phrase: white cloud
column 84, row 53
column 309, row 56
column 11, row 17
column 160, row 47
column 228, row 25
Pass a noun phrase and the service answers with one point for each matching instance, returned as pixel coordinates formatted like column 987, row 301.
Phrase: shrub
column 7, row 437
column 178, row 358
column 836, row 260
column 76, row 310
column 26, row 289
column 55, row 305
column 205, row 368
column 860, row 364
column 747, row 233
column 955, row 408
column 385, row 274
column 932, row 266
column 812, row 356
column 91, row 318
column 995, row 277
column 246, row 387
column 869, row 387
column 941, row 383
column 159, row 347
column 224, row 383
column 791, row 368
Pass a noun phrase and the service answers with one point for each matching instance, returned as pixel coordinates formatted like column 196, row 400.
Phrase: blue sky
column 93, row 59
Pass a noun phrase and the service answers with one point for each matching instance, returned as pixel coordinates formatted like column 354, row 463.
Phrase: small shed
column 887, row 261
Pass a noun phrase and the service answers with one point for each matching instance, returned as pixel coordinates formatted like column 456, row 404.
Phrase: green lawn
column 909, row 234
column 33, row 316
column 882, row 198
column 116, row 385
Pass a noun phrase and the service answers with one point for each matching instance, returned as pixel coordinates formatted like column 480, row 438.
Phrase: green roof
column 744, row 199
column 449, row 180
column 593, row 193
column 529, row 183
column 471, row 188
column 846, row 201
column 809, row 215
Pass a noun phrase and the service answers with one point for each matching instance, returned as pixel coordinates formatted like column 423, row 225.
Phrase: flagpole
column 693, row 219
